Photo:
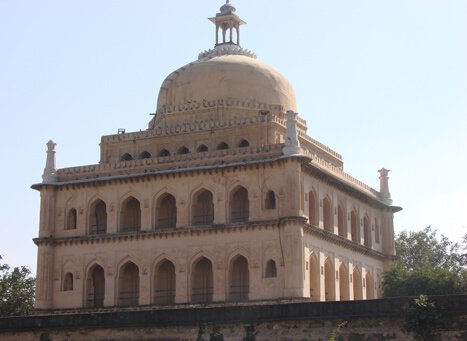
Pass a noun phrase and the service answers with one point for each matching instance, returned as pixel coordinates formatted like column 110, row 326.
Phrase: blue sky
column 384, row 83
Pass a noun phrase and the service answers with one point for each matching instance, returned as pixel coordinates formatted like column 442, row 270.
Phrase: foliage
column 16, row 290
column 336, row 330
column 425, row 265
column 422, row 317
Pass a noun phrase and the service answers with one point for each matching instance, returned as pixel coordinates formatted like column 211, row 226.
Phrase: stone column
column 292, row 146
column 292, row 242
column 384, row 186
column 50, row 170
column 44, row 280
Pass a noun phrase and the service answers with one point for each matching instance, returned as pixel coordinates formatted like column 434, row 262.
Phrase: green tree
column 425, row 265
column 16, row 290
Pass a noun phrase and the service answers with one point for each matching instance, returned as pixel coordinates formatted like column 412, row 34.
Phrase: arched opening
column 128, row 285
column 145, row 155
column 183, row 150
column 357, row 285
column 202, row 209
column 239, row 205
column 376, row 231
column 71, row 219
column 68, row 282
column 222, row 146
column 239, row 282
column 98, row 218
column 329, row 281
column 270, row 201
column 355, row 226
column 201, row 149
column 130, row 215
column 95, row 287
column 366, row 232
column 271, row 270
column 315, row 276
column 166, row 212
column 243, row 144
column 312, row 209
column 327, row 215
column 343, row 283
column 341, row 221
column 202, row 281
column 164, row 283
column 126, row 157
column 163, row 153
column 369, row 287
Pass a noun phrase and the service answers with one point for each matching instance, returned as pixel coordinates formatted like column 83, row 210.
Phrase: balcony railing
column 98, row 229
column 130, row 228
column 128, row 298
column 239, row 292
column 205, row 219
column 166, row 223
column 95, row 300
column 201, row 295
column 239, row 216
column 164, row 297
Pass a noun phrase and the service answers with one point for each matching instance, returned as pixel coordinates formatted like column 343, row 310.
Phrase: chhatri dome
column 226, row 73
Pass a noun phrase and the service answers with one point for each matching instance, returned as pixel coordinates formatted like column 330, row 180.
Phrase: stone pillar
column 290, row 205
column 47, row 212
column 384, row 186
column 387, row 234
column 110, row 288
column 144, row 287
column 44, row 280
column 292, row 146
column 292, row 242
column 146, row 214
column 182, row 213
column 220, row 210
column 181, row 284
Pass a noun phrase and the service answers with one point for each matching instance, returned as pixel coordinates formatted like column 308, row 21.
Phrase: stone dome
column 238, row 76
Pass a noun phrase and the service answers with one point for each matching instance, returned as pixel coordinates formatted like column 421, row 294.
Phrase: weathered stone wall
column 365, row 320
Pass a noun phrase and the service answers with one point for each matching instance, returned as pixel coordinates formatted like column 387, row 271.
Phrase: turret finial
column 50, row 170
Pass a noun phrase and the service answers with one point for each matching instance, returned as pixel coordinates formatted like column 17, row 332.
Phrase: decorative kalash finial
column 49, row 170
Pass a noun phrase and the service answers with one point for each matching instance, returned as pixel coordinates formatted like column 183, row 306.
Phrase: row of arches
column 163, row 282
column 348, row 225
column 202, row 148
column 202, row 211
column 351, row 286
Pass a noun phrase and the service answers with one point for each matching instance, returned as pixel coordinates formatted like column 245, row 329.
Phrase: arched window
column 357, row 285
column 68, row 282
column 222, row 146
column 239, row 282
column 341, row 221
column 369, row 287
column 355, row 226
column 376, row 231
column 329, row 281
column 315, row 279
column 312, row 208
column 271, row 270
column 166, row 212
column 366, row 232
column 183, row 150
column 327, row 215
column 128, row 285
column 95, row 287
column 202, row 209
column 239, row 205
column 98, row 218
column 202, row 281
column 126, row 157
column 163, row 152
column 71, row 219
column 270, row 201
column 130, row 215
column 202, row 148
column 244, row 143
column 164, row 283
column 343, row 283
column 145, row 155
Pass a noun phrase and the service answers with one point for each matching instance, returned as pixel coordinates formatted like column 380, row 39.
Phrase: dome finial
column 227, row 22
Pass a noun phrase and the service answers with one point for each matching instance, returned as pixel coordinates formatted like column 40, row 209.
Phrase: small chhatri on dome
column 227, row 22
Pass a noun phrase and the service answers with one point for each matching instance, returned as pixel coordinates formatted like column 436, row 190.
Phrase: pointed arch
column 369, row 286
column 271, row 269
column 357, row 284
column 145, row 155
column 128, row 284
column 130, row 215
column 183, row 150
column 71, row 219
column 239, row 279
column 202, row 208
column 166, row 211
column 98, row 217
column 126, row 157
column 329, row 280
column 377, row 232
column 341, row 221
column 312, row 208
column 355, row 226
column 163, row 153
column 327, row 215
column 343, row 283
column 95, row 286
column 222, row 146
column 202, row 148
column 202, row 283
column 315, row 278
column 68, row 282
column 239, row 205
column 270, row 200
column 366, row 231
column 243, row 144
column 164, row 283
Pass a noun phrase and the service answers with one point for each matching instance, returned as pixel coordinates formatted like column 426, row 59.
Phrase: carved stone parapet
column 224, row 50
